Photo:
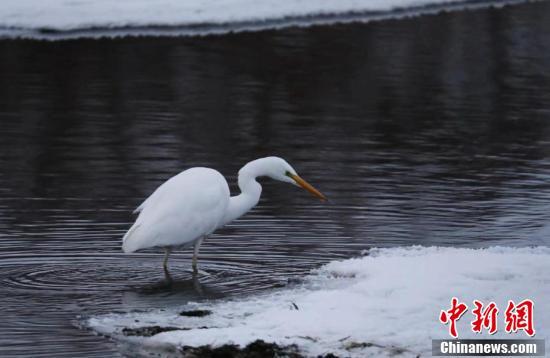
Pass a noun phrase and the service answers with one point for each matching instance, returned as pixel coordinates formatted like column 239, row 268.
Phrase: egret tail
column 129, row 241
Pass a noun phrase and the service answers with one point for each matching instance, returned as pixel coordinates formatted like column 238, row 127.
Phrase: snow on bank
column 20, row 17
column 391, row 298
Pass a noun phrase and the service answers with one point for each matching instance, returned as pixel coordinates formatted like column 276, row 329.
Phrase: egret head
column 279, row 169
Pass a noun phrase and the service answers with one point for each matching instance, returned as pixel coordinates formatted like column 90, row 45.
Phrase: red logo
column 452, row 315
column 517, row 317
column 485, row 318
column 520, row 317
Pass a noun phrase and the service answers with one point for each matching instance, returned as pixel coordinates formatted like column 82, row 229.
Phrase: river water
column 432, row 130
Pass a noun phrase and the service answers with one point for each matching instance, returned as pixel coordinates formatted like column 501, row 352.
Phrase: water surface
column 426, row 131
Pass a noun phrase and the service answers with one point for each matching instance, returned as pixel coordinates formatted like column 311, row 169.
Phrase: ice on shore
column 72, row 14
column 38, row 18
column 372, row 305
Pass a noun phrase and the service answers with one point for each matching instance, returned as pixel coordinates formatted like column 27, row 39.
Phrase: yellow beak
column 304, row 184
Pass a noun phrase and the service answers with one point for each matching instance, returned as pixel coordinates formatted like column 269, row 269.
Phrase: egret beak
column 304, row 184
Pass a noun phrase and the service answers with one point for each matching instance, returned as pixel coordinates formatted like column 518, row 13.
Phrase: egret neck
column 250, row 190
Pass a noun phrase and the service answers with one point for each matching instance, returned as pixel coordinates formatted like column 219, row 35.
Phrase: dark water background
column 432, row 131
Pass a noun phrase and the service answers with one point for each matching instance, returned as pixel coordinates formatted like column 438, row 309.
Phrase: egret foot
column 168, row 277
column 199, row 272
column 197, row 284
column 196, row 249
column 165, row 266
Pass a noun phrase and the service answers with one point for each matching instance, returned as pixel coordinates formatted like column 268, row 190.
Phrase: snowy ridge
column 389, row 299
column 59, row 19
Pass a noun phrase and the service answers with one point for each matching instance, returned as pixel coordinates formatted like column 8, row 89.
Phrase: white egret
column 191, row 205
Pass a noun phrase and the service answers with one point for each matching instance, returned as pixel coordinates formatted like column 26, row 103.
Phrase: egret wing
column 184, row 208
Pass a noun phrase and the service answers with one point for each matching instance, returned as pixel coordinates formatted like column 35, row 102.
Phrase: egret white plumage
column 191, row 205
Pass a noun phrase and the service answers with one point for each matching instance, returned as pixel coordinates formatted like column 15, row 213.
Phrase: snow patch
column 380, row 304
column 93, row 18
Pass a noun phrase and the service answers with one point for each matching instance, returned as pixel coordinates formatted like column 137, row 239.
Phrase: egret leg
column 196, row 254
column 165, row 264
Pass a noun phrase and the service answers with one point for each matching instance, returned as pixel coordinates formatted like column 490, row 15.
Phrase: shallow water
column 432, row 131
